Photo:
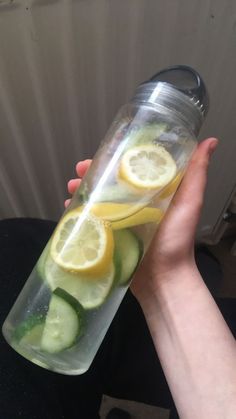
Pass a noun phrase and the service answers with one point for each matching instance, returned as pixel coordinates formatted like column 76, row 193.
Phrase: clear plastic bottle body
column 125, row 215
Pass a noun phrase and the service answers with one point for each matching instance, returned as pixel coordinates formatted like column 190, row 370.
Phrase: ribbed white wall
column 67, row 65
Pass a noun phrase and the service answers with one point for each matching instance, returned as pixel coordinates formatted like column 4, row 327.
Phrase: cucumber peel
column 26, row 326
column 149, row 134
column 63, row 324
column 130, row 251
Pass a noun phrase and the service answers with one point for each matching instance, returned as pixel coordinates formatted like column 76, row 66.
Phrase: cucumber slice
column 148, row 134
column 63, row 322
column 90, row 292
column 130, row 250
column 118, row 192
column 33, row 337
column 42, row 260
column 26, row 329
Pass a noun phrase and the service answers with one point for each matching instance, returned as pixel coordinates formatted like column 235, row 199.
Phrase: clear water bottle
column 76, row 287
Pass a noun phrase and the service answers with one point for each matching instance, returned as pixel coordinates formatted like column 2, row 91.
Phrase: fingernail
column 67, row 202
column 70, row 182
column 212, row 147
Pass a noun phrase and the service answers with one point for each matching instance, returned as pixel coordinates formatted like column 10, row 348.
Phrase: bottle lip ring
column 150, row 87
column 179, row 67
column 196, row 94
column 167, row 96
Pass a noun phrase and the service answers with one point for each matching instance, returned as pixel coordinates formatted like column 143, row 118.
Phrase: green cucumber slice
column 148, row 134
column 130, row 250
column 63, row 322
column 33, row 337
column 26, row 330
column 42, row 260
column 90, row 292
column 117, row 192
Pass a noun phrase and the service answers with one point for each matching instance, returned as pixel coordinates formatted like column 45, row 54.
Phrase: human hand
column 73, row 184
column 172, row 248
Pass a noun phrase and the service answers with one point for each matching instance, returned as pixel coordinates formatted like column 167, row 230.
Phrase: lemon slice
column 146, row 215
column 147, row 167
column 82, row 243
column 114, row 211
column 126, row 215
column 171, row 188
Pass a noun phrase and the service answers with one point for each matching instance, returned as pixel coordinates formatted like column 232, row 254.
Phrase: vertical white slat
column 21, row 153
column 8, row 196
column 66, row 66
column 31, row 54
column 70, row 75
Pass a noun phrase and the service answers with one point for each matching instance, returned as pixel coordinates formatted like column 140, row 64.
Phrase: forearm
column 195, row 347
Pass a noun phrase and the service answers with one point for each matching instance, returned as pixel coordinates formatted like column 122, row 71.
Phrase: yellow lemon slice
column 114, row 211
column 83, row 243
column 146, row 215
column 147, row 167
column 171, row 188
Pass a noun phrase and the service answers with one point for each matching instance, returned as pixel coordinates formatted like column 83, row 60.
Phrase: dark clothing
column 126, row 365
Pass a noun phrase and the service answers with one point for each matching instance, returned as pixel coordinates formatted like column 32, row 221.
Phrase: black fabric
column 118, row 414
column 26, row 390
column 126, row 365
column 22, row 394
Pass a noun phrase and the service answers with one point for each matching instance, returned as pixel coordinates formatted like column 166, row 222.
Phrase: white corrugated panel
column 67, row 66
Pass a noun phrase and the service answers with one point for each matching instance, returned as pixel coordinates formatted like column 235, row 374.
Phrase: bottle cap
column 180, row 89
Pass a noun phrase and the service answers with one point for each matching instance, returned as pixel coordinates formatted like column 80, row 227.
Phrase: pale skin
column 194, row 344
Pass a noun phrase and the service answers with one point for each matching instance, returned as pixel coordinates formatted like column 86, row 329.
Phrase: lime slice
column 147, row 167
column 82, row 243
column 90, row 292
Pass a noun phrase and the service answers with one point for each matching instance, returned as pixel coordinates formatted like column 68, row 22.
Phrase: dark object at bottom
column 118, row 414
column 126, row 365
column 173, row 414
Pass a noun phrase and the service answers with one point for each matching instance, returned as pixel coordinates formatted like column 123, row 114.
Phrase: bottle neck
column 172, row 101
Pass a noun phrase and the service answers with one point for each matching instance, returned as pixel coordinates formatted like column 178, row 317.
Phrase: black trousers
column 126, row 365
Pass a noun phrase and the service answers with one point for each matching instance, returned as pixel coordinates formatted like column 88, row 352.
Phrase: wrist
column 172, row 286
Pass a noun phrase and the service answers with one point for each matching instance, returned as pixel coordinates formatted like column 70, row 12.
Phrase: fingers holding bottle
column 73, row 184
column 188, row 201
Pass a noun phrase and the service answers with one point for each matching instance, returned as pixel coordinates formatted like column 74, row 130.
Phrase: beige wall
column 67, row 66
